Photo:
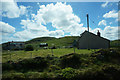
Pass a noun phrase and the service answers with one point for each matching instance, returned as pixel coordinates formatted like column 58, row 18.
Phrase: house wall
column 90, row 41
column 10, row 46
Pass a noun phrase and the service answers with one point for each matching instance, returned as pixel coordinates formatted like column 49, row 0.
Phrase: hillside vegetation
column 85, row 65
column 62, row 42
column 58, row 42
column 115, row 43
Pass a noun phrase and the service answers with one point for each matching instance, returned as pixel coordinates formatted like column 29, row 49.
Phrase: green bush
column 72, row 60
column 7, row 66
column 54, row 68
column 29, row 48
column 32, row 75
column 68, row 72
column 36, row 63
column 13, row 76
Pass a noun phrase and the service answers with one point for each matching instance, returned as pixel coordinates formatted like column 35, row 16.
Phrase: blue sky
column 23, row 21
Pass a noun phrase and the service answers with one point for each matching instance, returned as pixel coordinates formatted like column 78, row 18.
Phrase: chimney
column 98, row 33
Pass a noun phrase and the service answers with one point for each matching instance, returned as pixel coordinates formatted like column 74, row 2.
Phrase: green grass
column 58, row 42
column 87, row 64
column 20, row 55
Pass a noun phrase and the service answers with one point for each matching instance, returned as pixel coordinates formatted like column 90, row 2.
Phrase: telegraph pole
column 88, row 22
column 88, row 29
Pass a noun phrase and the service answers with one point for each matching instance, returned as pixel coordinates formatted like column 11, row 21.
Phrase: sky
column 22, row 21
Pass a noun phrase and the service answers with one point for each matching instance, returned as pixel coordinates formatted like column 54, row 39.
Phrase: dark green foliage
column 112, row 71
column 100, row 65
column 38, row 63
column 68, row 72
column 29, row 48
column 7, row 66
column 115, row 44
column 14, row 76
column 107, row 55
column 53, row 68
column 70, row 60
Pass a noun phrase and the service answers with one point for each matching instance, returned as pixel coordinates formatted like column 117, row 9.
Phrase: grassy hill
column 58, row 42
column 115, row 43
column 61, row 42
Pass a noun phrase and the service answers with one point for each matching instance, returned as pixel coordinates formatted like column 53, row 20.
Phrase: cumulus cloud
column 103, row 22
column 6, row 28
column 111, row 32
column 111, row 14
column 57, row 33
column 104, row 4
column 5, row 32
column 61, row 17
column 11, row 9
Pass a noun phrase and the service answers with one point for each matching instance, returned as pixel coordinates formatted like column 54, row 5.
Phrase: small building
column 43, row 45
column 88, row 40
column 14, row 45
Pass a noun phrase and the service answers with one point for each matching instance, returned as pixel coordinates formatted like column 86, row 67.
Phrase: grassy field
column 20, row 55
column 84, row 64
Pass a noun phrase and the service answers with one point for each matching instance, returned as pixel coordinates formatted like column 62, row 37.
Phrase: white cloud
column 11, row 9
column 6, row 28
column 111, row 14
column 108, row 32
column 103, row 22
column 111, row 32
column 60, row 15
column 62, row 18
column 5, row 32
column 57, row 33
column 104, row 4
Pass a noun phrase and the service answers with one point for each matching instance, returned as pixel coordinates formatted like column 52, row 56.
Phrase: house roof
column 93, row 34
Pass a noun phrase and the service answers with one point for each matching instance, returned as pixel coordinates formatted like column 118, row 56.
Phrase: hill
column 62, row 42
column 58, row 42
column 115, row 43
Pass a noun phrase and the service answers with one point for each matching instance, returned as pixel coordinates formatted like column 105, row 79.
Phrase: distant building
column 14, row 45
column 88, row 40
column 43, row 45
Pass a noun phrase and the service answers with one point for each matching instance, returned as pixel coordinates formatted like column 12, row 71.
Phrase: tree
column 29, row 48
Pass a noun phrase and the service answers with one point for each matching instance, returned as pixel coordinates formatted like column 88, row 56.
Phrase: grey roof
column 93, row 34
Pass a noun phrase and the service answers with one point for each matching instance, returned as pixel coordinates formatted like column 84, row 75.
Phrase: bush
column 29, row 48
column 68, row 72
column 36, row 63
column 7, row 66
column 13, row 76
column 109, row 55
column 54, row 68
column 71, row 60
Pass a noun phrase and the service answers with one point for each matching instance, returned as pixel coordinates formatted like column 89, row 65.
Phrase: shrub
column 13, row 76
column 29, row 48
column 68, row 72
column 54, row 68
column 71, row 60
column 7, row 66
column 112, row 71
column 36, row 63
